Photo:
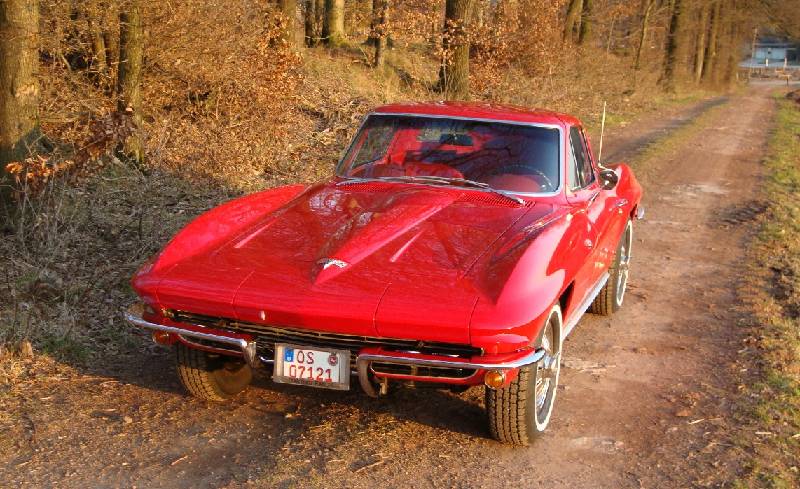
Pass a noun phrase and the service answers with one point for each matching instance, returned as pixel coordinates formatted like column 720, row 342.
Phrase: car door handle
column 621, row 203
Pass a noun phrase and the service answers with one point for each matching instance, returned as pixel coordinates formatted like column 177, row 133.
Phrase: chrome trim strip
column 247, row 348
column 363, row 362
column 581, row 310
column 561, row 142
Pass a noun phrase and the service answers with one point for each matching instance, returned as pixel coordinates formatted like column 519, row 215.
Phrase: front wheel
column 610, row 298
column 211, row 377
column 520, row 412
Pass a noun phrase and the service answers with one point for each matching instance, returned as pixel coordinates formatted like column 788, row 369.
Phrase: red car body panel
column 440, row 264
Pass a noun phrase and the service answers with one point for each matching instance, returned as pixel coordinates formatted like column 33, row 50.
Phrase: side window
column 580, row 171
column 589, row 163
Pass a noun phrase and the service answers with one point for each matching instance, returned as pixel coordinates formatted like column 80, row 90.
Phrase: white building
column 769, row 52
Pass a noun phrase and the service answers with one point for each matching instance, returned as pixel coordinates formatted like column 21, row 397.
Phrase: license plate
column 317, row 367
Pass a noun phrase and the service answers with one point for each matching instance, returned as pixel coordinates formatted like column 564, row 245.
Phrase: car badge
column 331, row 262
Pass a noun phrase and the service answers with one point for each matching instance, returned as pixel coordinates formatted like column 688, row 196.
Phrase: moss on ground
column 772, row 293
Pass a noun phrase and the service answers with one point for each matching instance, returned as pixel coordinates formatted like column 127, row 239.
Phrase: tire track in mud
column 626, row 147
column 126, row 422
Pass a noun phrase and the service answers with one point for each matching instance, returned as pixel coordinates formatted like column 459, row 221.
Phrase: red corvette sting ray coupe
column 458, row 244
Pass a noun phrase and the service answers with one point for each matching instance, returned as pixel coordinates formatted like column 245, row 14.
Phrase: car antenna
column 602, row 131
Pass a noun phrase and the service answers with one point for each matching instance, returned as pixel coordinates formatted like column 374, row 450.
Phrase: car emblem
column 331, row 262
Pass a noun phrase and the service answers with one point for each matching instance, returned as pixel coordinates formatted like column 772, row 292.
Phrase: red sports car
column 457, row 244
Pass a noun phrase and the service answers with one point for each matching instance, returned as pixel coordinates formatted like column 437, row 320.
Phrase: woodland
column 121, row 119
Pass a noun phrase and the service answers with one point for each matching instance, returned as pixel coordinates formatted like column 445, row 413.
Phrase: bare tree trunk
column 648, row 9
column 586, row 22
column 454, row 73
column 675, row 45
column 19, row 87
column 111, row 41
column 573, row 16
column 319, row 19
column 723, row 34
column 129, row 74
column 709, row 65
column 728, row 59
column 309, row 24
column 288, row 10
column 610, row 41
column 372, row 38
column 315, row 15
column 508, row 13
column 381, row 31
column 700, row 48
column 94, row 20
column 333, row 26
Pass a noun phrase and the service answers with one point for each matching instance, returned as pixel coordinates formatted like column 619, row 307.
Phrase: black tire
column 211, row 377
column 520, row 412
column 610, row 298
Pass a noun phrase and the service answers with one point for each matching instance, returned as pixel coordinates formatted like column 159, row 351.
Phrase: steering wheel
column 431, row 169
column 548, row 184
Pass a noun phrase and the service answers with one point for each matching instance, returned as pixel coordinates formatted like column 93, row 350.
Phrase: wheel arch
column 565, row 299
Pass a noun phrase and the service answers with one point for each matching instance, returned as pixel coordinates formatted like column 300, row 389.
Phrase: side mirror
column 608, row 179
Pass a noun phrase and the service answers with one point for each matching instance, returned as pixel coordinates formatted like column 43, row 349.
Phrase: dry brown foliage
column 229, row 107
column 524, row 34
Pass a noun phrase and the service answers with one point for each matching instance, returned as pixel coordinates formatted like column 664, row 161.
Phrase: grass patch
column 67, row 256
column 772, row 294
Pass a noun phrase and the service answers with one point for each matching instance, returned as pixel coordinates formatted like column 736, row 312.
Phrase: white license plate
column 329, row 369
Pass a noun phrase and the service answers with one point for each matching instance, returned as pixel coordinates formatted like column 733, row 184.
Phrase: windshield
column 511, row 157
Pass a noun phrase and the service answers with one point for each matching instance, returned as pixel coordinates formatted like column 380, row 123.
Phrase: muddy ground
column 645, row 397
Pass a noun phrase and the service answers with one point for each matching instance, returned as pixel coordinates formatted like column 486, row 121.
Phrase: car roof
column 479, row 110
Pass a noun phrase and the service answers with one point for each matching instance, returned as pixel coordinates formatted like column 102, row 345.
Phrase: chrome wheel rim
column 624, row 263
column 547, row 371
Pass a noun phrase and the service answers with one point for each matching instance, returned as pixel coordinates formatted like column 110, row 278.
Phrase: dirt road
column 643, row 401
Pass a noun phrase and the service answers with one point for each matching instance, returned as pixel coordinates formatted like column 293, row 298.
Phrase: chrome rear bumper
column 364, row 359
column 245, row 347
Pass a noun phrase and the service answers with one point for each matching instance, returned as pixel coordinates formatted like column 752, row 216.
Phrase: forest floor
column 646, row 397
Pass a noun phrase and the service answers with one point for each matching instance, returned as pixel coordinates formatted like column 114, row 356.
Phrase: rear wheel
column 521, row 411
column 209, row 376
column 610, row 298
